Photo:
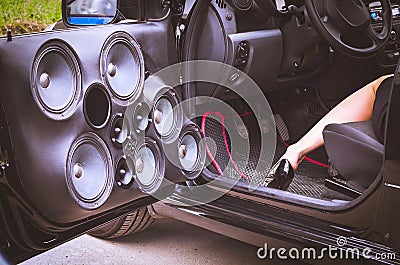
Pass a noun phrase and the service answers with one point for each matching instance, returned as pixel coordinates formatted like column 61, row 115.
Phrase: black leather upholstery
column 354, row 152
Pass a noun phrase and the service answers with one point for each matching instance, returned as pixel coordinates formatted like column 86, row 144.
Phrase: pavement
column 166, row 242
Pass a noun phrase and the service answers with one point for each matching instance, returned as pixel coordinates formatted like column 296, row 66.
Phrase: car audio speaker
column 149, row 166
column 167, row 116
column 97, row 106
column 119, row 130
column 123, row 175
column 56, row 80
column 140, row 118
column 89, row 171
column 191, row 151
column 122, row 67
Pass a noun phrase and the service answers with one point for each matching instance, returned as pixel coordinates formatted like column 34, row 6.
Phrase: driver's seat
column 355, row 153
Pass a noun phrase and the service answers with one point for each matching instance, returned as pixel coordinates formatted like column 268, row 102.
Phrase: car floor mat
column 309, row 177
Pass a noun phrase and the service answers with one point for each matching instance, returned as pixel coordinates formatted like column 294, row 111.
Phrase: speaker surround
column 149, row 166
column 191, row 151
column 56, row 80
column 122, row 67
column 167, row 116
column 89, row 170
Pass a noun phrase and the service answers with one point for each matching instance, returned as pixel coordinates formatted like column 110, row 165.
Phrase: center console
column 390, row 55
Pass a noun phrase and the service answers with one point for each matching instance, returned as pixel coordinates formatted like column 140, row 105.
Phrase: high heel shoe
column 280, row 175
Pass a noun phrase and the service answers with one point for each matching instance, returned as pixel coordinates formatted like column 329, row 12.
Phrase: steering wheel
column 334, row 17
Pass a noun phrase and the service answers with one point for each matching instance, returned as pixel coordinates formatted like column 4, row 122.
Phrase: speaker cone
column 56, row 80
column 149, row 166
column 123, row 175
column 97, row 106
column 119, row 130
column 122, row 67
column 191, row 151
column 167, row 116
column 89, row 171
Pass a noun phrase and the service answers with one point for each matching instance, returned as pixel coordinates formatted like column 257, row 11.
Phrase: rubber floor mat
column 309, row 177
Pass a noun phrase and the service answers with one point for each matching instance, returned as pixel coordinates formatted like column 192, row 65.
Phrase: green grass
column 23, row 16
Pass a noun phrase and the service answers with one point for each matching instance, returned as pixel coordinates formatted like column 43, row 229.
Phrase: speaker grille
column 122, row 67
column 56, row 80
column 89, row 171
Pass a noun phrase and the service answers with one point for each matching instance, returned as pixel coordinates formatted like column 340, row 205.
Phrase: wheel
column 125, row 225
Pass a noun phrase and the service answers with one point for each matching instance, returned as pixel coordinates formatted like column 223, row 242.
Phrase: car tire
column 125, row 225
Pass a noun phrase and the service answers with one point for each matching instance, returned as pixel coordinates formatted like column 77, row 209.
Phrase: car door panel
column 41, row 143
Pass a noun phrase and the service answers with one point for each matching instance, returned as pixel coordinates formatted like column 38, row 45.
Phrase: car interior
column 303, row 75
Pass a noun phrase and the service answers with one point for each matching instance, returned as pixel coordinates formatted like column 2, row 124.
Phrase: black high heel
column 280, row 175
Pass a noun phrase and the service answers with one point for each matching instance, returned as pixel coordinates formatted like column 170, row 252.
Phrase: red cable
column 203, row 127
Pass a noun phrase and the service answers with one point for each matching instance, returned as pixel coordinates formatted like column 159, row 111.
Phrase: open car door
column 64, row 94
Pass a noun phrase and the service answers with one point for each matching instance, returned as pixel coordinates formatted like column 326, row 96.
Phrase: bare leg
column 356, row 107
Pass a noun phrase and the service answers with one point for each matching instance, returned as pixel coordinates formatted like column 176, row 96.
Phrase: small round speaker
column 119, row 130
column 122, row 67
column 167, row 116
column 149, row 166
column 97, row 106
column 123, row 175
column 56, row 80
column 89, row 171
column 191, row 151
column 140, row 118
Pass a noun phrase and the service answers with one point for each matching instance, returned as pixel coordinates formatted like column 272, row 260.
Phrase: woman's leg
column 356, row 107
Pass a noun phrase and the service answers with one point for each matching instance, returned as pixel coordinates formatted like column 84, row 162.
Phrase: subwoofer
column 122, row 67
column 56, row 80
column 191, row 151
column 167, row 116
column 149, row 166
column 89, row 171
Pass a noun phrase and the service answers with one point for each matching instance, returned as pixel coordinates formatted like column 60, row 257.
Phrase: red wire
column 215, row 163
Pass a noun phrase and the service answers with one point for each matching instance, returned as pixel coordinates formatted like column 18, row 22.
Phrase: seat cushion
column 354, row 152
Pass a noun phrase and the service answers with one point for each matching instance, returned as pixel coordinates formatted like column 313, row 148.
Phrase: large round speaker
column 167, row 116
column 191, row 151
column 149, row 166
column 122, row 67
column 89, row 171
column 56, row 80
